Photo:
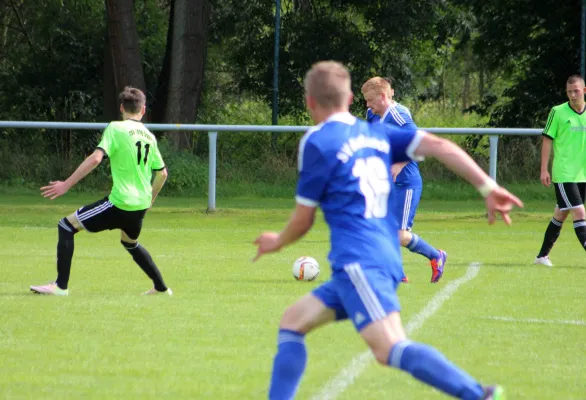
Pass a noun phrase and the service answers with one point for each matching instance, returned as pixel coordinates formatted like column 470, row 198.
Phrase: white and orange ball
column 305, row 269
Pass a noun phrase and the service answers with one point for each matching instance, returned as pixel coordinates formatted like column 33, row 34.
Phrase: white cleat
column 154, row 291
column 543, row 261
column 50, row 289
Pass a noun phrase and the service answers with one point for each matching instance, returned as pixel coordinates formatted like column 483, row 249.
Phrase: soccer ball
column 305, row 269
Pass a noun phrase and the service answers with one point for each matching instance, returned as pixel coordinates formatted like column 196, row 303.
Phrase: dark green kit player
column 134, row 156
column 565, row 131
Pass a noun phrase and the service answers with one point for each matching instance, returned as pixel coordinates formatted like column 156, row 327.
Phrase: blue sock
column 420, row 246
column 428, row 365
column 288, row 365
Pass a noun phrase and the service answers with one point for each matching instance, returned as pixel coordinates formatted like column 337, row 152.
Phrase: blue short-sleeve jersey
column 399, row 115
column 344, row 168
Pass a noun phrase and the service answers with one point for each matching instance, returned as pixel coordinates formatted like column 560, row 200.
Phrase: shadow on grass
column 24, row 293
column 280, row 281
column 531, row 267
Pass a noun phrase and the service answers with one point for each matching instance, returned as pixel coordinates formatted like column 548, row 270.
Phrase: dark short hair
column 132, row 99
column 572, row 79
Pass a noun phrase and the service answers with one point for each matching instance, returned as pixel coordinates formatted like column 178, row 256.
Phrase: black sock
column 580, row 229
column 65, row 248
column 144, row 260
column 551, row 235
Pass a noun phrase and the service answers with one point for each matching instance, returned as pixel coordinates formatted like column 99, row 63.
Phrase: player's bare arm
column 497, row 199
column 59, row 188
column 299, row 224
column 545, row 154
column 158, row 182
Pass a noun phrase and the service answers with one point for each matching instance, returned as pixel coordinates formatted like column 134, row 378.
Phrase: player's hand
column 268, row 242
column 396, row 170
column 545, row 178
column 502, row 202
column 55, row 189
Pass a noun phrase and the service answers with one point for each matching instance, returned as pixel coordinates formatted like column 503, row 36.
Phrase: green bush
column 248, row 163
column 188, row 173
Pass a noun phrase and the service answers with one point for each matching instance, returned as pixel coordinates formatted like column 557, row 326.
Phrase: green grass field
column 515, row 323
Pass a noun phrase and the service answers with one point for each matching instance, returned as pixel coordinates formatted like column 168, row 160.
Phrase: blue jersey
column 399, row 115
column 344, row 166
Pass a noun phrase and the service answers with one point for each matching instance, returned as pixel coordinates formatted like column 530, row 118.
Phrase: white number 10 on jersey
column 373, row 176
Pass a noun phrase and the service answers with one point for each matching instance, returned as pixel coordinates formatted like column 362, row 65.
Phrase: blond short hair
column 376, row 85
column 328, row 82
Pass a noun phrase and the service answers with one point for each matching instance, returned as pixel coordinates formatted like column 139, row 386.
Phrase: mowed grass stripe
column 216, row 337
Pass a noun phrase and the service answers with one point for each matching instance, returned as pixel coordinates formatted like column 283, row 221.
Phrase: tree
column 181, row 79
column 371, row 38
column 537, row 43
column 122, row 64
column 62, row 58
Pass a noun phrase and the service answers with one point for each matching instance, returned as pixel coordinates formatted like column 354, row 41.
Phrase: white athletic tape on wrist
column 487, row 187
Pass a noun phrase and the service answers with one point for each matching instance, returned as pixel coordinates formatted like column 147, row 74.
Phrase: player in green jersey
column 565, row 131
column 134, row 155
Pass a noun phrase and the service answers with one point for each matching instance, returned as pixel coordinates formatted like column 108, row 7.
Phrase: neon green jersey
column 134, row 155
column 567, row 129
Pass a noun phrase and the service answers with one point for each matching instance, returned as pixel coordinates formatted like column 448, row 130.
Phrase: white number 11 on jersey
column 373, row 176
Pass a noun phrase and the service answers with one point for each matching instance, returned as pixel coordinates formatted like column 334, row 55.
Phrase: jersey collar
column 579, row 113
column 383, row 118
column 344, row 117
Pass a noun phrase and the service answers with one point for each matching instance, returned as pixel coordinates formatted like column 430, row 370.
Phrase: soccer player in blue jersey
column 344, row 166
column 378, row 94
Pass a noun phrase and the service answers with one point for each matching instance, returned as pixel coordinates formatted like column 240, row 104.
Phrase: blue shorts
column 363, row 294
column 405, row 202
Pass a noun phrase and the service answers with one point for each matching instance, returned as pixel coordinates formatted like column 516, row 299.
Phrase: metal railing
column 213, row 130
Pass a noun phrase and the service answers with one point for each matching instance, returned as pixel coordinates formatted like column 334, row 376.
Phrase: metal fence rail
column 213, row 130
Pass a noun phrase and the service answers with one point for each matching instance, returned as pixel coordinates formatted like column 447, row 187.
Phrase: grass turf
column 516, row 323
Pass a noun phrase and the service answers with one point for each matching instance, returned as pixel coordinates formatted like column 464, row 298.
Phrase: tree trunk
column 5, row 24
column 481, row 82
column 111, row 104
column 442, row 83
column 181, row 82
column 160, row 103
column 123, row 61
column 467, row 72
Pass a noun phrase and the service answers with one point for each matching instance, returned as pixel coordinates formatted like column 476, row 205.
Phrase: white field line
column 539, row 321
column 352, row 371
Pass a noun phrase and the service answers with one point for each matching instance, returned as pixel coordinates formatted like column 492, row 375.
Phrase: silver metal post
column 213, row 141
column 583, row 40
column 275, row 115
column 494, row 141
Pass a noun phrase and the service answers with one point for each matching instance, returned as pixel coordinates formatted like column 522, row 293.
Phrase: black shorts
column 103, row 215
column 570, row 195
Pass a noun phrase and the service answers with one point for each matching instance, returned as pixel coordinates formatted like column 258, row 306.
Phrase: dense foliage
column 488, row 62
